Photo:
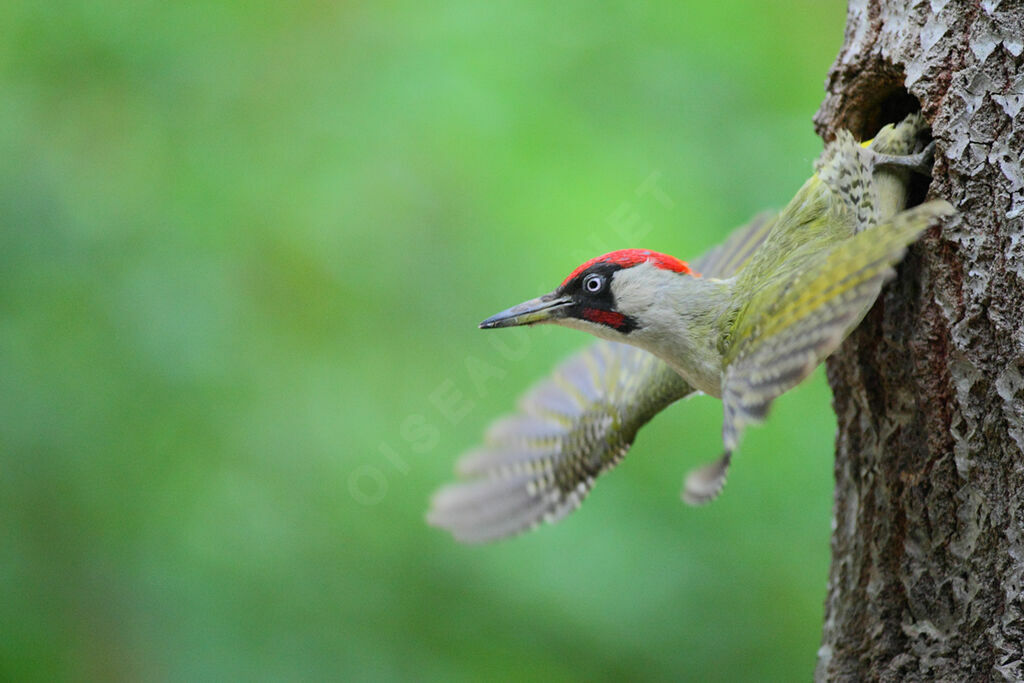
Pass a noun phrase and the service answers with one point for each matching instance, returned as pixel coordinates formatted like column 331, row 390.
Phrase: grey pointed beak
column 542, row 309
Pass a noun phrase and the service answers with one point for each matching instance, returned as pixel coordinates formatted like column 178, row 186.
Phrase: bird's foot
column 918, row 163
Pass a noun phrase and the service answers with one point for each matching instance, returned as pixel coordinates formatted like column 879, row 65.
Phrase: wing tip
column 469, row 517
column 705, row 483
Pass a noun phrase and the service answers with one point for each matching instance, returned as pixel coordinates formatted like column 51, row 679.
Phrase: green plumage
column 796, row 284
column 818, row 271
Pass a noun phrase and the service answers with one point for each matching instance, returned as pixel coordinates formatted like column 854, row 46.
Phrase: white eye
column 593, row 283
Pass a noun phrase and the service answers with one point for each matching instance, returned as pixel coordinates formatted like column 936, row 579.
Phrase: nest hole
column 892, row 104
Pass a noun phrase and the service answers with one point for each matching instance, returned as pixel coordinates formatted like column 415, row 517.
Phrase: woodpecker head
column 610, row 296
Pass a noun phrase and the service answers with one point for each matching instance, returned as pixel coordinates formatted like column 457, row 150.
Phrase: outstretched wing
column 781, row 340
column 540, row 463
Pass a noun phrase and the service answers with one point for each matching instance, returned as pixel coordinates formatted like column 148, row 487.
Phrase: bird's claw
column 918, row 163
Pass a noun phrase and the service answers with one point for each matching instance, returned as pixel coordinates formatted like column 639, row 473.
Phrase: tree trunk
column 927, row 577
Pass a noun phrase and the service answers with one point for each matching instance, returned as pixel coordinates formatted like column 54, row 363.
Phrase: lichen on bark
column 927, row 576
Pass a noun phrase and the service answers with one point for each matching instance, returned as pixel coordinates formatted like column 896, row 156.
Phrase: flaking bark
column 927, row 576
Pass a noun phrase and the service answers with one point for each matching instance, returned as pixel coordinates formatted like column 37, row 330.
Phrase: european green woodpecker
column 744, row 323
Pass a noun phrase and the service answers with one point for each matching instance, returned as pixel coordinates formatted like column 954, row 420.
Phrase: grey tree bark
column 927, row 576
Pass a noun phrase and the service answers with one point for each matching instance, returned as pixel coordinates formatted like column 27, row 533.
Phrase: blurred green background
column 243, row 250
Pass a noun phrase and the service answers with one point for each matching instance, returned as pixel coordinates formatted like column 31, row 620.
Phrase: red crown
column 627, row 258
